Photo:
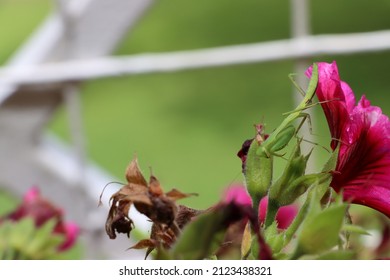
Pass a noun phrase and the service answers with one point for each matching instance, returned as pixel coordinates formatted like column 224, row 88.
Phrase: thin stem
column 292, row 229
column 256, row 204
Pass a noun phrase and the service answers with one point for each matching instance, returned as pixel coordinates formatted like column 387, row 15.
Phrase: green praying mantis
column 282, row 135
column 259, row 162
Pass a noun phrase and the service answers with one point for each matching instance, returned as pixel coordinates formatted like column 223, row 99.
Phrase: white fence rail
column 51, row 61
column 93, row 68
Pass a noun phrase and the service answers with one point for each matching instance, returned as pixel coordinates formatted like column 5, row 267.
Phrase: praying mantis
column 282, row 135
column 259, row 162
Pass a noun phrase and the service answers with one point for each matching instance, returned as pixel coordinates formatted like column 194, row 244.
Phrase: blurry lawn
column 18, row 18
column 7, row 203
column 189, row 125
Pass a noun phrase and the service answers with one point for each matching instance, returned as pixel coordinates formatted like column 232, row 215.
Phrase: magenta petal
column 363, row 168
column 376, row 197
column 263, row 209
column 31, row 195
column 336, row 97
column 238, row 194
column 364, row 158
column 286, row 215
column 71, row 232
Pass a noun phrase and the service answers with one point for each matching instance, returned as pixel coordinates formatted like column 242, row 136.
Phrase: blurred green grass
column 189, row 125
column 18, row 18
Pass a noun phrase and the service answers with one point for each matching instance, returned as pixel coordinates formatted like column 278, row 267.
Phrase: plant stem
column 256, row 203
column 292, row 229
column 272, row 209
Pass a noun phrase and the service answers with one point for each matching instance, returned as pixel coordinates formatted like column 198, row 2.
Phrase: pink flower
column 71, row 231
column 239, row 195
column 337, row 97
column 363, row 133
column 42, row 210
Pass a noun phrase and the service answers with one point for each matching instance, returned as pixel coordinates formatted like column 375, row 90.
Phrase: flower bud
column 300, row 185
column 258, row 170
column 295, row 169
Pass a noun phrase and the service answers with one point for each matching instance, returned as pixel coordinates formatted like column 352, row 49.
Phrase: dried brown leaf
column 185, row 215
column 134, row 174
column 155, row 187
column 140, row 199
column 246, row 241
column 132, row 188
column 175, row 194
column 144, row 243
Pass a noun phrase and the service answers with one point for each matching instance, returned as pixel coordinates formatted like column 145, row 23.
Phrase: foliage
column 35, row 230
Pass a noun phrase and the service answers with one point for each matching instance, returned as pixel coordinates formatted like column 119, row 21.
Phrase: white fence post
column 27, row 156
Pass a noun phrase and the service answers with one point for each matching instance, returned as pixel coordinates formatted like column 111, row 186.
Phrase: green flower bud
column 258, row 170
column 300, row 185
column 279, row 191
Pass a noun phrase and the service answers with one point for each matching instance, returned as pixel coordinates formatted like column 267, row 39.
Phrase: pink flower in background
column 42, row 210
column 284, row 217
column 363, row 133
column 238, row 194
column 71, row 231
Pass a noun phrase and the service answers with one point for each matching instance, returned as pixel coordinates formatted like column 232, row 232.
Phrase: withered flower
column 150, row 200
column 163, row 236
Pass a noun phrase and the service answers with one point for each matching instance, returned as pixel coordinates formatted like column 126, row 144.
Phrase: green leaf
column 355, row 229
column 23, row 240
column 331, row 164
column 49, row 249
column 337, row 255
column 321, row 232
column 310, row 208
column 21, row 233
column 271, row 231
column 43, row 242
column 201, row 237
column 294, row 169
column 204, row 235
column 4, row 229
column 255, row 248
column 273, row 238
